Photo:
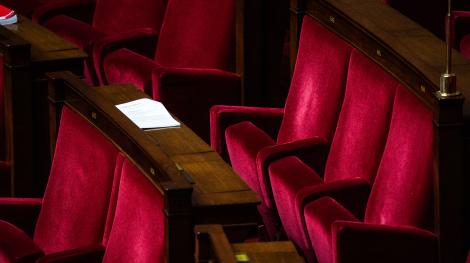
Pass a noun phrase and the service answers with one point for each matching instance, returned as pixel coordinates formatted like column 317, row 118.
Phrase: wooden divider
column 99, row 110
column 28, row 52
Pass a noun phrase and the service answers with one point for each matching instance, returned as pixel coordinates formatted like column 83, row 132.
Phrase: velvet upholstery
column 74, row 209
column 311, row 111
column 138, row 227
column 68, row 218
column 16, row 246
column 190, row 69
column 110, row 18
column 399, row 210
column 355, row 151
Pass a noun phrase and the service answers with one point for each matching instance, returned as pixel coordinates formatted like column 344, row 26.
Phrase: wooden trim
column 18, row 111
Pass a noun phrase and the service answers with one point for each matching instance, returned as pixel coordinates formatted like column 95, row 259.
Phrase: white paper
column 148, row 114
column 7, row 21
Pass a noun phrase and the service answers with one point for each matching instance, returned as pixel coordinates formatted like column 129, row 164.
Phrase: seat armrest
column 16, row 246
column 82, row 10
column 141, row 41
column 351, row 193
column 313, row 151
column 189, row 93
column 21, row 212
column 221, row 117
column 361, row 242
column 91, row 254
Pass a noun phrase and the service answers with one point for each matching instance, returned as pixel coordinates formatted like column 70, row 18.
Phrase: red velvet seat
column 257, row 136
column 399, row 213
column 73, row 211
column 190, row 71
column 135, row 23
column 138, row 226
column 354, row 155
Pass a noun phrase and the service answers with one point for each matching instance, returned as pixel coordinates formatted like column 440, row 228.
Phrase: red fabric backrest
column 137, row 233
column 120, row 16
column 77, row 195
column 317, row 86
column 198, row 34
column 402, row 192
column 363, row 123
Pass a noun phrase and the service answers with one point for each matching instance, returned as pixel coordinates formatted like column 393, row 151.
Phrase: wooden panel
column 26, row 91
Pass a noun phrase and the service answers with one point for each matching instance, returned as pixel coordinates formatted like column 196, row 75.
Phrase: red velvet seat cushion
column 244, row 141
column 16, row 246
column 116, row 18
column 402, row 195
column 317, row 87
column 76, row 199
column 138, row 228
column 288, row 176
column 126, row 67
column 319, row 218
column 75, row 31
column 312, row 106
column 198, row 34
column 355, row 151
column 364, row 121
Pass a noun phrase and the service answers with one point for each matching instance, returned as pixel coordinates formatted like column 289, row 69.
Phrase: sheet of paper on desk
column 148, row 114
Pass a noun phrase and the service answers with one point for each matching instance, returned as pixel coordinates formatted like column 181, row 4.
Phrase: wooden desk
column 219, row 195
column 29, row 51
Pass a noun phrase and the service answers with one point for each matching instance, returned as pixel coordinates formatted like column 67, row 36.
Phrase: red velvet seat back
column 363, row 122
column 120, row 16
column 77, row 195
column 402, row 192
column 198, row 34
column 317, row 86
column 137, row 233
